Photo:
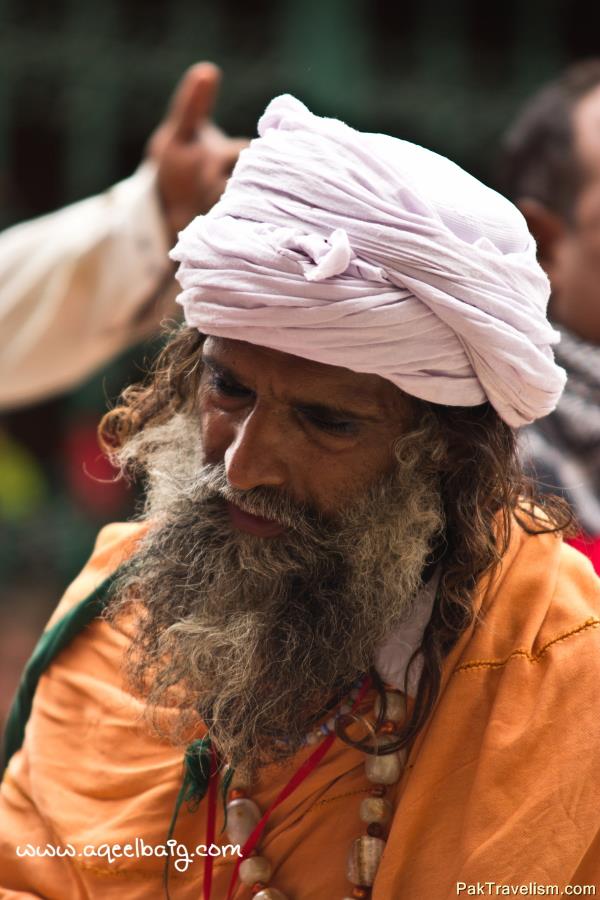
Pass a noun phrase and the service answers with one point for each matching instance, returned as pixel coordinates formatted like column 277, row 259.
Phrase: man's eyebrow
column 323, row 410
column 219, row 369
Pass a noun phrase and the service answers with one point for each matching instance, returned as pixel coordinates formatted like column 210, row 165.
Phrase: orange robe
column 501, row 785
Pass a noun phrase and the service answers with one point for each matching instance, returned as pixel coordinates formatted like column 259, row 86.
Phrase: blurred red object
column 590, row 547
column 91, row 479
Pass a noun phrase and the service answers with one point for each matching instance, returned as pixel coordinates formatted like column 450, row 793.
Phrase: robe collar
column 394, row 653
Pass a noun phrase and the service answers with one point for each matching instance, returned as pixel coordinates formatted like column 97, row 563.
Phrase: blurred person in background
column 550, row 167
column 80, row 285
column 77, row 288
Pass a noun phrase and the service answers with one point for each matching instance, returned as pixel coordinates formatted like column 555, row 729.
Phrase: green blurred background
column 82, row 84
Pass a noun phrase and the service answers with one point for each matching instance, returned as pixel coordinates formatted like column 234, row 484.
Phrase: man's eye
column 228, row 388
column 334, row 426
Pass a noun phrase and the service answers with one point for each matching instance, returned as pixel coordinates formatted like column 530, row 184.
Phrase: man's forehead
column 293, row 375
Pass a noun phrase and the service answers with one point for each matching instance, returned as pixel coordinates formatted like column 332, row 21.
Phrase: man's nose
column 256, row 456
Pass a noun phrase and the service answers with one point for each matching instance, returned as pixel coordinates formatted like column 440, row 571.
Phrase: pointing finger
column 194, row 99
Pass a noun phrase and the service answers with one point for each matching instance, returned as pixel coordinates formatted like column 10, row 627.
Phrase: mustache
column 274, row 504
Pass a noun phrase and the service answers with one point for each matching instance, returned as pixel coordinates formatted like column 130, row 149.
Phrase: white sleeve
column 79, row 285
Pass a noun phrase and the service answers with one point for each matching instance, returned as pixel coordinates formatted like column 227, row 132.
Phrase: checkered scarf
column 563, row 449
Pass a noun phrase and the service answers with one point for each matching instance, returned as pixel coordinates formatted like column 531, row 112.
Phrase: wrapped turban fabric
column 372, row 253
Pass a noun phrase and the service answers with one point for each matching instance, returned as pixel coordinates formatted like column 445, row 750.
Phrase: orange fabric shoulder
column 502, row 780
column 114, row 544
column 543, row 592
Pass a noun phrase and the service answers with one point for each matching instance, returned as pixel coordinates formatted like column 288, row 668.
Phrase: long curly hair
column 473, row 456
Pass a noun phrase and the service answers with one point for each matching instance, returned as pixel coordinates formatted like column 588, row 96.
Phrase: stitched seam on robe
column 533, row 658
column 317, row 803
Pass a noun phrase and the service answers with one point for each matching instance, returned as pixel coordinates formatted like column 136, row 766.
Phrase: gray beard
column 255, row 636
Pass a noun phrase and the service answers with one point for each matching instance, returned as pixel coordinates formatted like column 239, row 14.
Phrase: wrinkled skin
column 281, row 421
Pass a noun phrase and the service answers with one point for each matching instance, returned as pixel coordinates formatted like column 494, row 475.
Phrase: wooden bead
column 237, row 794
column 257, row 888
column 375, row 809
column 383, row 769
column 270, row 894
column 360, row 893
column 395, row 706
column 255, row 870
column 363, row 860
column 375, row 829
column 389, row 727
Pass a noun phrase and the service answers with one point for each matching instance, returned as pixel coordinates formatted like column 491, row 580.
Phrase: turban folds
column 372, row 253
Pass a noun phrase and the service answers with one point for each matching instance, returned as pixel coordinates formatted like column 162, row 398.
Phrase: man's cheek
column 217, row 432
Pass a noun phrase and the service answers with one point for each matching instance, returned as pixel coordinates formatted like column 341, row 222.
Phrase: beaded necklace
column 245, row 824
column 386, row 758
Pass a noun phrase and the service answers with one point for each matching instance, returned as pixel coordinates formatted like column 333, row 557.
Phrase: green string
column 224, row 788
column 196, row 776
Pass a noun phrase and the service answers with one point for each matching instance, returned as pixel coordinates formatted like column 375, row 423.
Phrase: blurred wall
column 83, row 82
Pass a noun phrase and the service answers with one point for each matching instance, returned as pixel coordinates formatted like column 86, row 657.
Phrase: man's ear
column 548, row 229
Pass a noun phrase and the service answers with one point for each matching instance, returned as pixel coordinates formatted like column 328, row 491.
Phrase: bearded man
column 342, row 635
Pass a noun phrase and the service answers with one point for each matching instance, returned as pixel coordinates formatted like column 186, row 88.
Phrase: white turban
column 368, row 252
